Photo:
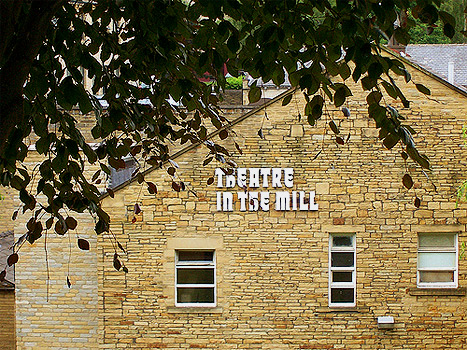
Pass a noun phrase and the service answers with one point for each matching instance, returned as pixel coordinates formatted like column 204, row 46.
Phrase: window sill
column 342, row 309
column 461, row 291
column 194, row 310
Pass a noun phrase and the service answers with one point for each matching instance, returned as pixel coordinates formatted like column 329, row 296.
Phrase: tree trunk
column 22, row 37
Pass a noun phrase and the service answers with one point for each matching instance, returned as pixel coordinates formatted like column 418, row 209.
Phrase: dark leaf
column 423, row 89
column 101, row 226
column 417, row 202
column 449, row 30
column 68, row 283
column 210, row 180
column 260, row 133
column 407, row 181
column 2, row 275
column 404, row 155
column 152, row 188
column 110, row 192
column 374, row 97
column 340, row 95
column 133, row 220
column 59, row 228
column 12, row 259
column 417, row 157
column 176, row 186
column 71, row 223
column 120, row 246
column 171, row 171
column 223, row 134
column 124, row 268
column 135, row 150
column 207, row 161
column 137, row 209
column 254, row 94
column 340, row 140
column 334, row 127
column 83, row 244
column 15, row 215
column 287, row 100
column 117, row 263
column 390, row 141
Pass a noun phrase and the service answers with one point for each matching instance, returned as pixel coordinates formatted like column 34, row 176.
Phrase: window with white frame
column 342, row 274
column 437, row 260
column 195, row 278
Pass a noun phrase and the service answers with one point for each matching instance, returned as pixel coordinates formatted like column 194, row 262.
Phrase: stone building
column 309, row 244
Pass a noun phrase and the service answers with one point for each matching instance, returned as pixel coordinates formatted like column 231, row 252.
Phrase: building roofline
column 274, row 100
column 213, row 134
column 425, row 71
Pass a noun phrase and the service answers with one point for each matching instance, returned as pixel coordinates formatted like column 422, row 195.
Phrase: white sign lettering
column 262, row 178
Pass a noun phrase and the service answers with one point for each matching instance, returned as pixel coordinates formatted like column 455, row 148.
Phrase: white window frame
column 195, row 265
column 454, row 269
column 352, row 269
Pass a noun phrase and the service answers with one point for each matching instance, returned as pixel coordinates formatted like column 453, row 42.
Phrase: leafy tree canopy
column 165, row 46
column 423, row 33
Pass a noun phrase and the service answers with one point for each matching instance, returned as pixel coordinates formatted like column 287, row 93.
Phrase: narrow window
column 437, row 260
column 195, row 278
column 342, row 285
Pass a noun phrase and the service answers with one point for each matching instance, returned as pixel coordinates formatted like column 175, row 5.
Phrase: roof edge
column 425, row 71
column 277, row 98
column 213, row 134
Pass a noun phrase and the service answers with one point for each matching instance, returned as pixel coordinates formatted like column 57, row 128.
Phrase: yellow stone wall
column 7, row 321
column 272, row 267
column 49, row 315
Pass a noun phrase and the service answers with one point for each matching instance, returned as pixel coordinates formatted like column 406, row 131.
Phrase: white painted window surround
column 437, row 260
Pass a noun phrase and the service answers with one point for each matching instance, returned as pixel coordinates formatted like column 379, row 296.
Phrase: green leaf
column 287, row 100
column 84, row 101
column 422, row 160
column 391, row 140
column 344, row 71
column 341, row 93
column 334, row 127
column 447, row 18
column 374, row 97
column 233, row 44
column 389, row 89
column 254, row 95
column 449, row 30
column 423, row 89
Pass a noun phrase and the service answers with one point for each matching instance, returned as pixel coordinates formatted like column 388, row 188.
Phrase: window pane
column 427, row 260
column 195, row 295
column 436, row 276
column 437, row 240
column 342, row 241
column 195, row 255
column 195, row 276
column 342, row 259
column 342, row 295
column 342, row 276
